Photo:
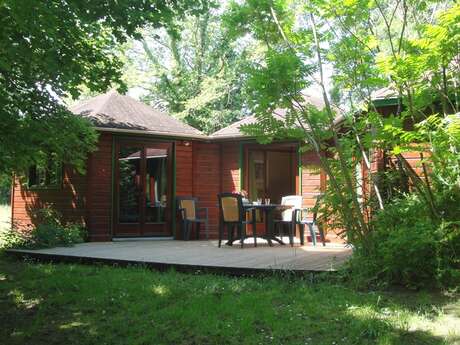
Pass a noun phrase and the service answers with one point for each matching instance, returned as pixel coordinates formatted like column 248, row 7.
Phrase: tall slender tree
column 192, row 69
column 368, row 44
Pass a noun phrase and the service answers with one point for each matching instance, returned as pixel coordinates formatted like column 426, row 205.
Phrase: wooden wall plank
column 69, row 200
column 206, row 180
column 184, row 168
column 311, row 178
column 99, row 181
column 230, row 169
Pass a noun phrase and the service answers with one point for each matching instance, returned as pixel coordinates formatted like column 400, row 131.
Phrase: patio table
column 267, row 209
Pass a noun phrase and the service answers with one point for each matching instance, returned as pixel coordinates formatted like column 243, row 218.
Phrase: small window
column 46, row 176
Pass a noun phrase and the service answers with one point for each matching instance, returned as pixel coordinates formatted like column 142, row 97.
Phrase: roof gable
column 114, row 111
column 233, row 130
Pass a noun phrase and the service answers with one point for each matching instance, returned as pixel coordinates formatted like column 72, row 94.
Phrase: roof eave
column 153, row 133
column 230, row 137
column 383, row 102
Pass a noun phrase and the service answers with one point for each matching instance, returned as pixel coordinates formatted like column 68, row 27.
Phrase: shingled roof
column 114, row 112
column 233, row 131
column 384, row 93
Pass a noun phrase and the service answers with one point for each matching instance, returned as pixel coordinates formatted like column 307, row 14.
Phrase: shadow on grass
column 72, row 304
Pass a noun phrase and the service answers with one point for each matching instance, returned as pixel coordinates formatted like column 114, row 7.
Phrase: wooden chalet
column 145, row 158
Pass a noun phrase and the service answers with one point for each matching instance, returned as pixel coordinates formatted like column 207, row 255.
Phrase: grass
column 74, row 304
column 5, row 218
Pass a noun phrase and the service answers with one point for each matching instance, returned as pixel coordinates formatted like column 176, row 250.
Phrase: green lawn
column 5, row 219
column 72, row 304
column 5, row 216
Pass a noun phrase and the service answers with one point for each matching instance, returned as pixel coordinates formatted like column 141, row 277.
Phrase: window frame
column 55, row 186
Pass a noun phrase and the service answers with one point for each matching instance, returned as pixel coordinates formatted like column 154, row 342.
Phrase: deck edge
column 162, row 266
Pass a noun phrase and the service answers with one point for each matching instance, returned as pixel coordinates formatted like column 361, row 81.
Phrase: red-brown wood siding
column 184, row 168
column 314, row 181
column 68, row 200
column 230, row 167
column 202, row 170
column 206, row 180
column 379, row 158
column 99, row 179
column 311, row 178
column 413, row 158
column 82, row 198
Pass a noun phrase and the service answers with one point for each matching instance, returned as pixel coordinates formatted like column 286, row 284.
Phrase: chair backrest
column 188, row 204
column 231, row 207
column 292, row 200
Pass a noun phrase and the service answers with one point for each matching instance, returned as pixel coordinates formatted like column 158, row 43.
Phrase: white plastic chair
column 288, row 216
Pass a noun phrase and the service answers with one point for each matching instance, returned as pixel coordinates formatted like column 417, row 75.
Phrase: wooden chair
column 187, row 207
column 288, row 217
column 233, row 216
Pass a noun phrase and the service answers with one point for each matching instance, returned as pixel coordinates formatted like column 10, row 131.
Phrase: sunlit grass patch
column 5, row 217
column 74, row 304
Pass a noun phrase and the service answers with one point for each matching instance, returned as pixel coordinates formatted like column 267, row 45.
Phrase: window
column 46, row 176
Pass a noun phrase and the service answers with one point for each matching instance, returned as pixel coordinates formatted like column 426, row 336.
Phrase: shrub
column 15, row 239
column 46, row 235
column 406, row 248
column 51, row 231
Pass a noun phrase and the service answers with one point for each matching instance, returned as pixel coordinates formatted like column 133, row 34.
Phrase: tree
column 192, row 69
column 368, row 44
column 51, row 48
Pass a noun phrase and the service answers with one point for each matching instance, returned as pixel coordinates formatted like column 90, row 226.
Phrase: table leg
column 268, row 227
column 272, row 234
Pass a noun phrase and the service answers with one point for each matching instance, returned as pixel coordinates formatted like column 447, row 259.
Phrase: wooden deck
column 200, row 255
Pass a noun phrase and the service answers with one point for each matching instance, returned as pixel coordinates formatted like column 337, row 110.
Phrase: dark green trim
column 119, row 137
column 157, row 137
column 299, row 163
column 173, row 192
column 112, row 191
column 241, row 165
column 143, row 138
column 385, row 102
column 57, row 186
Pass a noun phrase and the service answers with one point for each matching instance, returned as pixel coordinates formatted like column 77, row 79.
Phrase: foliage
column 5, row 189
column 81, row 304
column 291, row 62
column 443, row 136
column 191, row 69
column 46, row 235
column 11, row 238
column 51, row 48
column 408, row 249
column 50, row 231
column 416, row 238
column 410, row 46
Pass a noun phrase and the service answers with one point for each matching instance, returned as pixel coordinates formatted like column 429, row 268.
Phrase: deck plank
column 206, row 254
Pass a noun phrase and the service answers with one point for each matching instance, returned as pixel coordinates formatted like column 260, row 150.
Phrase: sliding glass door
column 271, row 171
column 142, row 188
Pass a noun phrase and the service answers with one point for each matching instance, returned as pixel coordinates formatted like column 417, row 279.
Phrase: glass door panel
column 257, row 175
column 271, row 173
column 130, row 184
column 279, row 175
column 143, row 188
column 156, row 181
